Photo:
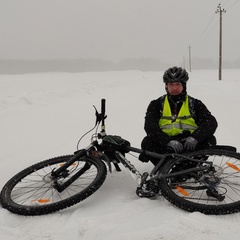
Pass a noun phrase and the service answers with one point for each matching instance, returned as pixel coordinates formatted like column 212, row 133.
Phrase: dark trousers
column 149, row 145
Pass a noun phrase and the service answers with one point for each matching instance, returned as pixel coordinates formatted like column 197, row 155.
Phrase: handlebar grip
column 103, row 107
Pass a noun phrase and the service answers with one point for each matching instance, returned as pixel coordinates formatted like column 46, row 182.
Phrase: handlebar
column 103, row 107
column 100, row 117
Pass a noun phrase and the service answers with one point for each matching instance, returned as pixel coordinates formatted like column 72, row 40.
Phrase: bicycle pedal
column 143, row 193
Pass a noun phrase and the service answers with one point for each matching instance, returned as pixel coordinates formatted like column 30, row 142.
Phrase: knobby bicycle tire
column 31, row 192
column 190, row 195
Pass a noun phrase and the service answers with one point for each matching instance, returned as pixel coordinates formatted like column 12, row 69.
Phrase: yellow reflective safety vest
column 174, row 125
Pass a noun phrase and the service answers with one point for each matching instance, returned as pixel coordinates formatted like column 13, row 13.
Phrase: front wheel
column 32, row 192
column 215, row 191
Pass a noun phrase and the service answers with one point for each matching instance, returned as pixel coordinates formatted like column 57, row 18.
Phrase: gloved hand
column 190, row 144
column 176, row 146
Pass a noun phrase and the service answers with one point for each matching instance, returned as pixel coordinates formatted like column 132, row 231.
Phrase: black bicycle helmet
column 175, row 74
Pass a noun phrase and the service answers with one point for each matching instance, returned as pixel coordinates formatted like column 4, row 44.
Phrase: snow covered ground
column 43, row 115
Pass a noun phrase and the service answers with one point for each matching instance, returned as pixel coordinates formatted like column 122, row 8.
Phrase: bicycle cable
column 98, row 120
column 96, row 125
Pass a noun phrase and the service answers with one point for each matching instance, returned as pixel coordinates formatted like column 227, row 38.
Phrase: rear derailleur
column 211, row 180
column 212, row 192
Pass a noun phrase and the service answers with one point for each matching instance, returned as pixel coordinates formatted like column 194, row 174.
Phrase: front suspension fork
column 58, row 173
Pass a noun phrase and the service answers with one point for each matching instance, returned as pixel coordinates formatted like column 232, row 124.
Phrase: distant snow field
column 44, row 115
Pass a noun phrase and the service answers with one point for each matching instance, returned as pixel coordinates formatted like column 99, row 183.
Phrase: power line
column 206, row 32
column 225, row 2
column 231, row 4
column 211, row 26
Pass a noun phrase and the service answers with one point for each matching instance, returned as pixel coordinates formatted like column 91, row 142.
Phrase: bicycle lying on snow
column 207, row 180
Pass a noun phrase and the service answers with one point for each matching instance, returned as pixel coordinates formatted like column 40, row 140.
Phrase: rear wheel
column 209, row 192
column 31, row 191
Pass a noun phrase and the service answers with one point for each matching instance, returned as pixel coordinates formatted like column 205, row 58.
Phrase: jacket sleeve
column 207, row 123
column 153, row 114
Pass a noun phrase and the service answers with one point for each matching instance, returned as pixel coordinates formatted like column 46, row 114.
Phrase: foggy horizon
column 89, row 65
column 114, row 30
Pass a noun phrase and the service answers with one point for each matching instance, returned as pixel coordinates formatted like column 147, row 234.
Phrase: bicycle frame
column 141, row 179
column 138, row 177
column 154, row 174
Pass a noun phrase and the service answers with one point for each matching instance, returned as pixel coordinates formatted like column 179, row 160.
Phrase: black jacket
column 202, row 116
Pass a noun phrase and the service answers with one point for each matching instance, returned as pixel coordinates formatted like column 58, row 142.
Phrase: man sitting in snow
column 177, row 122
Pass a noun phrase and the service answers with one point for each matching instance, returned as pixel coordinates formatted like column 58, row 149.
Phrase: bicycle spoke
column 35, row 188
column 212, row 191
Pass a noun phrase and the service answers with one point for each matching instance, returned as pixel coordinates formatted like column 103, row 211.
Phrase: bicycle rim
column 191, row 194
column 31, row 191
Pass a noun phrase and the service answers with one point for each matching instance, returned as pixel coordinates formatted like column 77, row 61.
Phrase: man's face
column 174, row 88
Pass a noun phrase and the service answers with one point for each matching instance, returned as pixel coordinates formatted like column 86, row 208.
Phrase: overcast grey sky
column 117, row 29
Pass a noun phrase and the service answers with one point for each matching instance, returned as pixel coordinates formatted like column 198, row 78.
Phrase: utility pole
column 221, row 11
column 189, row 52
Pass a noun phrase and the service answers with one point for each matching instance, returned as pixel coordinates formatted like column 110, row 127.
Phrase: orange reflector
column 41, row 200
column 73, row 164
column 182, row 191
column 233, row 166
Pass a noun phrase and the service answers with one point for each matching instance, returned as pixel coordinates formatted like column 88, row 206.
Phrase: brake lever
column 98, row 116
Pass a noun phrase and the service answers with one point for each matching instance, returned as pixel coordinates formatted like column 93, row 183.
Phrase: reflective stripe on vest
column 174, row 125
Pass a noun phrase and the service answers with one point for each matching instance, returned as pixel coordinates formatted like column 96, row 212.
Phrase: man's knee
column 148, row 144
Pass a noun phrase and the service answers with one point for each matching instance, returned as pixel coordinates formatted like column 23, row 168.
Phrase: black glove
column 190, row 144
column 176, row 146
